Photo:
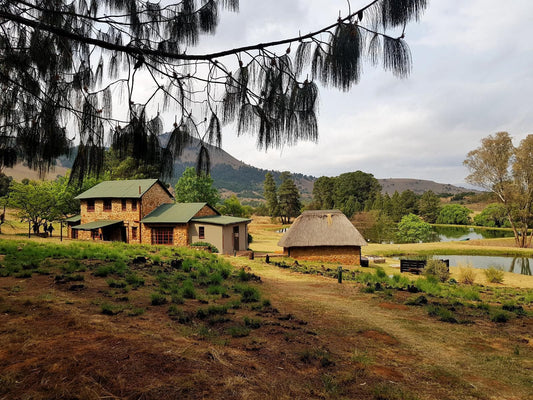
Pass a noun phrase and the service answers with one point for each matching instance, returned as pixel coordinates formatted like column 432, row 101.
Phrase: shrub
column 467, row 275
column 209, row 246
column 158, row 299
column 417, row 301
column 500, row 317
column 187, row 290
column 494, row 275
column 437, row 269
column 249, row 294
column 380, row 273
column 237, row 331
column 252, row 323
column 108, row 309
column 134, row 280
column 103, row 271
column 442, row 313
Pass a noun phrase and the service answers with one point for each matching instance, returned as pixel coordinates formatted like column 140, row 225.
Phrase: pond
column 518, row 265
column 455, row 233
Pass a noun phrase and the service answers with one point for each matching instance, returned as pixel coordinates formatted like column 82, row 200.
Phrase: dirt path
column 405, row 343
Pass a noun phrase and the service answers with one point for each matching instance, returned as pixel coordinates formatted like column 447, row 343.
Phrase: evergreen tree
column 271, row 195
column 323, row 189
column 429, row 206
column 65, row 60
column 289, row 199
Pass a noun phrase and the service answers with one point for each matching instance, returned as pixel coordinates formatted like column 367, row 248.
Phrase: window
column 107, row 205
column 74, row 233
column 123, row 204
column 201, row 232
column 133, row 205
column 90, row 205
column 162, row 235
column 134, row 232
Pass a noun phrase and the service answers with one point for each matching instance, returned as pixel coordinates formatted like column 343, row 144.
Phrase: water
column 518, row 265
column 454, row 233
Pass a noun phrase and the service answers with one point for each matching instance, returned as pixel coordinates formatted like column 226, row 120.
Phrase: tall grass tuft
column 467, row 274
column 494, row 275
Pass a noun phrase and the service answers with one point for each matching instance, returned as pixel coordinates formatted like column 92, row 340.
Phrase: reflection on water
column 518, row 265
column 451, row 233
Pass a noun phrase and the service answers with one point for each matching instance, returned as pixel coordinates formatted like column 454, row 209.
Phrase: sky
column 472, row 77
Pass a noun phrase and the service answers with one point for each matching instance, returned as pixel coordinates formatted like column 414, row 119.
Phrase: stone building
column 325, row 235
column 143, row 211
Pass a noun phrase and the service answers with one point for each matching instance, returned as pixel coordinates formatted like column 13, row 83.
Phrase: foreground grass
column 88, row 321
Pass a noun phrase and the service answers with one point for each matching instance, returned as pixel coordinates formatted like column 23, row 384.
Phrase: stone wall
column 180, row 234
column 336, row 254
column 205, row 212
column 153, row 198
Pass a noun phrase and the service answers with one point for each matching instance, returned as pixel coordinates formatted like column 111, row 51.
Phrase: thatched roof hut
column 323, row 235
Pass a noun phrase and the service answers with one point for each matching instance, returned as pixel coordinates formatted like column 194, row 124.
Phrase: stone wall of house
column 180, row 234
column 205, row 212
column 153, row 198
column 337, row 254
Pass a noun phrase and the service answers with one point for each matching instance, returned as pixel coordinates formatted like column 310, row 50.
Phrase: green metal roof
column 74, row 218
column 130, row 189
column 220, row 220
column 177, row 213
column 96, row 224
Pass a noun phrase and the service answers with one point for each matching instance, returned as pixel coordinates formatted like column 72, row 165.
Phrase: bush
column 188, row 291
column 500, row 317
column 467, row 275
column 437, row 269
column 249, row 294
column 209, row 246
column 442, row 313
column 494, row 275
column 158, row 299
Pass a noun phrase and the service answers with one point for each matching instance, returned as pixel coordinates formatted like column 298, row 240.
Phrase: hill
column 232, row 176
column 419, row 186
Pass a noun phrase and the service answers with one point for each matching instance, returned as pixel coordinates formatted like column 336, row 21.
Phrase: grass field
column 87, row 321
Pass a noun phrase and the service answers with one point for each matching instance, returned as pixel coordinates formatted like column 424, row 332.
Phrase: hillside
column 232, row 176
column 418, row 186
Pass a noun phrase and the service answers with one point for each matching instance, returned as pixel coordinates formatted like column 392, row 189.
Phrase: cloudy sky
column 471, row 77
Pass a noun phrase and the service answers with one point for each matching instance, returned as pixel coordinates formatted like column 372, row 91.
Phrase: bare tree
column 64, row 64
column 500, row 167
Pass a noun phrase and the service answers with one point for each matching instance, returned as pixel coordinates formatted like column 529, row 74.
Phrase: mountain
column 232, row 176
column 418, row 186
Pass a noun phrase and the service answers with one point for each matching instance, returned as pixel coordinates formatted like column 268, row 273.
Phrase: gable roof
column 175, row 213
column 129, row 189
column 322, row 228
column 220, row 220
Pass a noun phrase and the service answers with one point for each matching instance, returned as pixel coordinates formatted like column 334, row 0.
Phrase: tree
column 232, row 206
column 454, row 214
column 35, row 202
column 507, row 171
column 289, row 199
column 494, row 216
column 196, row 188
column 63, row 61
column 411, row 229
column 323, row 193
column 429, row 206
column 358, row 185
column 271, row 195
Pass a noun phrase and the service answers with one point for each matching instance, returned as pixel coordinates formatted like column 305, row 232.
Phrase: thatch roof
column 322, row 228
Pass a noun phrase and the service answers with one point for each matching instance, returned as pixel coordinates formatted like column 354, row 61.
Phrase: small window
column 133, row 205
column 134, row 232
column 107, row 205
column 162, row 235
column 74, row 233
column 201, row 232
column 90, row 205
column 124, row 204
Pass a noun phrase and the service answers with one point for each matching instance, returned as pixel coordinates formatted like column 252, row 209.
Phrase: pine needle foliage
column 69, row 72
